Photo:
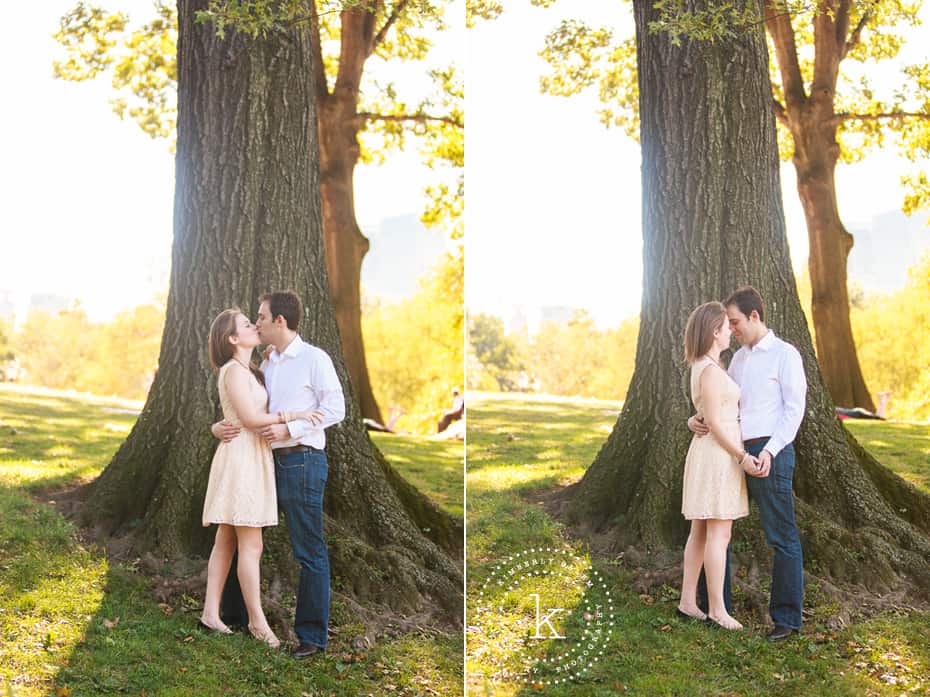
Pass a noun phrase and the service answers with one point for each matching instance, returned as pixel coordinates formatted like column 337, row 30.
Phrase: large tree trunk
column 811, row 119
column 713, row 220
column 247, row 219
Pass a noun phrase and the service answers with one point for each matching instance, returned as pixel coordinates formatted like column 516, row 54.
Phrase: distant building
column 401, row 251
column 884, row 249
column 49, row 302
column 7, row 305
column 559, row 314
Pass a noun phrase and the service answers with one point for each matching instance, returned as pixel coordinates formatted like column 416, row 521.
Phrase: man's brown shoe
column 306, row 650
column 781, row 633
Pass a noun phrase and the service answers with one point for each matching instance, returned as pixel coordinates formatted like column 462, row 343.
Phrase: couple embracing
column 271, row 457
column 747, row 418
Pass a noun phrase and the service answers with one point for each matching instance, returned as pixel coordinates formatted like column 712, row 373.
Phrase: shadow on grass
column 435, row 467
column 73, row 622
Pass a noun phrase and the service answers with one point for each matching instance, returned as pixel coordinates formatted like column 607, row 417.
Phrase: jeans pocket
column 289, row 462
column 315, row 476
column 784, row 477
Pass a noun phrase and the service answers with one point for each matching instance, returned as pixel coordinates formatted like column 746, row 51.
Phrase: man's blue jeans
column 301, row 479
column 773, row 495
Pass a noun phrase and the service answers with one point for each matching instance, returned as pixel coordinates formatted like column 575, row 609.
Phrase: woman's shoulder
column 232, row 362
column 706, row 369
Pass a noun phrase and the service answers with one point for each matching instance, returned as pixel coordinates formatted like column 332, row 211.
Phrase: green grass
column 72, row 623
column 519, row 444
column 433, row 466
column 902, row 447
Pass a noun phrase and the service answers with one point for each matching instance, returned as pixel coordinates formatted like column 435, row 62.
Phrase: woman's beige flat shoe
column 265, row 635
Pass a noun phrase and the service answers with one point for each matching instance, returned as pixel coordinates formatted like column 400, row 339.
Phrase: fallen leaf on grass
column 665, row 627
column 166, row 608
column 63, row 692
column 109, row 624
column 647, row 599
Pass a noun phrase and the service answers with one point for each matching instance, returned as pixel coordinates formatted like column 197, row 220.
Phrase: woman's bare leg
column 217, row 569
column 715, row 558
column 691, row 569
column 250, row 554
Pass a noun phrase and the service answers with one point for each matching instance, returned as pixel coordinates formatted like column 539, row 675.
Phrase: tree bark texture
column 813, row 124
column 712, row 221
column 247, row 219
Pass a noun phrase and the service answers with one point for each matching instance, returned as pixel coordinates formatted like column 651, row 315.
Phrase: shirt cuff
column 774, row 446
column 297, row 428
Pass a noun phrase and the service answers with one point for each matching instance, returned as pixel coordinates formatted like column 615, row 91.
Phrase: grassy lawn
column 71, row 623
column 518, row 444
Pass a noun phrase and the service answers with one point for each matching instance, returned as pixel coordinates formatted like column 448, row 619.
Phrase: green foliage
column 143, row 63
column 142, row 60
column 66, row 350
column 578, row 359
column 7, row 353
column 572, row 358
column 583, row 58
column 892, row 335
column 414, row 348
column 496, row 361
column 718, row 21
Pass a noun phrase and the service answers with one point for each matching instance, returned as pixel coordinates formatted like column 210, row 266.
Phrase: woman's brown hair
column 699, row 331
column 218, row 346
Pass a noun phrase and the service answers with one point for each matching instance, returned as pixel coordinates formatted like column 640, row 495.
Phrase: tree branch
column 417, row 118
column 779, row 27
column 399, row 7
column 781, row 113
column 846, row 116
column 826, row 49
column 841, row 25
column 856, row 34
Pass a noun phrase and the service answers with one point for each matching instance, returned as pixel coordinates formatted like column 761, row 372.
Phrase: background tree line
column 576, row 358
column 415, row 347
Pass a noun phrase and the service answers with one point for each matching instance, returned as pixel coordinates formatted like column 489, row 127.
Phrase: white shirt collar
column 766, row 342
column 294, row 349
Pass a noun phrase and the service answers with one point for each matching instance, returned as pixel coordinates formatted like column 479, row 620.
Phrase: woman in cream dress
column 714, row 492
column 240, row 494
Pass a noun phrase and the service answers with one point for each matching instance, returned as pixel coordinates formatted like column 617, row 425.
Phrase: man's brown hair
column 747, row 299
column 285, row 303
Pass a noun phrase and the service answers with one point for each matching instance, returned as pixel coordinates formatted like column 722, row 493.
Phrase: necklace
column 249, row 368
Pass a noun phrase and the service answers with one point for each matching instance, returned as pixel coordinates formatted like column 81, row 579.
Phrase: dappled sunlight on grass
column 521, row 477
column 49, row 588
column 435, row 467
column 73, row 623
column 902, row 447
column 521, row 443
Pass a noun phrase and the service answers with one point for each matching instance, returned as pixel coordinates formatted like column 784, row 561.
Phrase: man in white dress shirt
column 773, row 392
column 299, row 377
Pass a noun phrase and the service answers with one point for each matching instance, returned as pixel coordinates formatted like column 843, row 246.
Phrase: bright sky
column 553, row 206
column 87, row 199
